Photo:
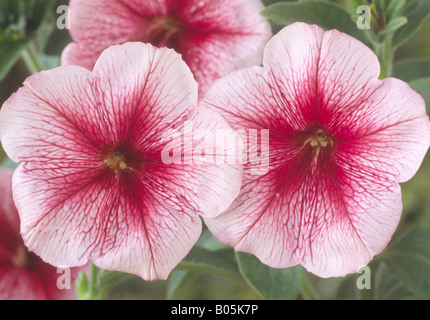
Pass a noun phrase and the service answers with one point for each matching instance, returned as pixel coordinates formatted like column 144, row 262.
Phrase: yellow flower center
column 116, row 161
column 320, row 139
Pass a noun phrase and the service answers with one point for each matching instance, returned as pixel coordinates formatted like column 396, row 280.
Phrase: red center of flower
column 164, row 31
column 122, row 158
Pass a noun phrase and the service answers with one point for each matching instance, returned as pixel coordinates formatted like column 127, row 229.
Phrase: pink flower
column 23, row 275
column 340, row 143
column 213, row 36
column 92, row 185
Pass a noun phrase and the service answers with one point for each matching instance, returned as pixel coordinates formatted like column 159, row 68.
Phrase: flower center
column 20, row 260
column 116, row 161
column 122, row 157
column 320, row 139
column 164, row 31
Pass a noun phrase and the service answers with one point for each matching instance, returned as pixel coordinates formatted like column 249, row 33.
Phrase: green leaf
column 412, row 69
column 82, row 286
column 23, row 16
column 357, row 3
column 348, row 289
column 422, row 86
column 388, row 287
column 380, row 6
column 415, row 13
column 409, row 260
column 205, row 261
column 394, row 8
column 325, row 14
column 177, row 279
column 270, row 2
column 209, row 242
column 10, row 51
column 271, row 284
column 19, row 22
column 394, row 24
column 109, row 279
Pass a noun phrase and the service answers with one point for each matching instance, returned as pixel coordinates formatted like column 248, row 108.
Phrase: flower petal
column 222, row 36
column 330, row 222
column 9, row 219
column 348, row 74
column 248, row 98
column 55, row 131
column 124, row 223
column 146, row 85
column 150, row 229
column 114, row 23
column 17, row 284
column 292, row 57
column 207, row 165
column 76, row 54
column 216, row 36
column 322, row 74
column 395, row 136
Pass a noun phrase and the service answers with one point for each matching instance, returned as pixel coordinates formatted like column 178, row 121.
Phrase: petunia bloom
column 340, row 142
column 23, row 275
column 213, row 36
column 92, row 184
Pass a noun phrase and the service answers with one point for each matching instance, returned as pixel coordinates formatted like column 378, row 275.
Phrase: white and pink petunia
column 213, row 36
column 340, row 142
column 23, row 275
column 92, row 184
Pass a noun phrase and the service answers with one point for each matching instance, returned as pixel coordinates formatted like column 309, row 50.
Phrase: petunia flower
column 340, row 142
column 92, row 184
column 213, row 36
column 23, row 275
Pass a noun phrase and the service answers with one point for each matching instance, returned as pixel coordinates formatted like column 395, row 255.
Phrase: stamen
column 116, row 161
column 321, row 136
column 319, row 140
column 164, row 31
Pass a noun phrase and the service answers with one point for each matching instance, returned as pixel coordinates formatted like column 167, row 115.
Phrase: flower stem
column 385, row 56
column 29, row 55
column 99, row 284
column 93, row 283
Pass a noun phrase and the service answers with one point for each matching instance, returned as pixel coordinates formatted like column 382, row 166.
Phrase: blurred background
column 50, row 41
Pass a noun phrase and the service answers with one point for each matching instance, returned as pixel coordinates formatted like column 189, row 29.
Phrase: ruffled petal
column 62, row 123
column 395, row 135
column 9, row 219
column 142, row 88
column 222, row 36
column 215, row 37
column 18, row 284
column 115, row 23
